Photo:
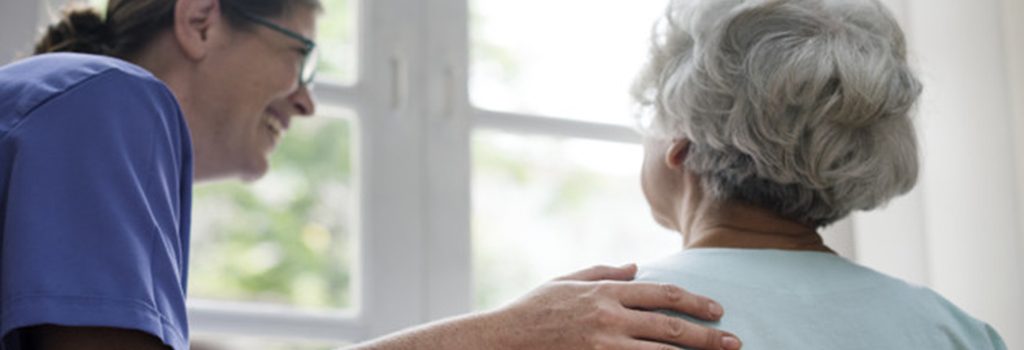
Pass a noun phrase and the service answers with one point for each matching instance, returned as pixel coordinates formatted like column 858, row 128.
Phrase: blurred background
column 466, row 151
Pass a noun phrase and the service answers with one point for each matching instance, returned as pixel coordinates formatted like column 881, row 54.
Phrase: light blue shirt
column 807, row 300
column 95, row 195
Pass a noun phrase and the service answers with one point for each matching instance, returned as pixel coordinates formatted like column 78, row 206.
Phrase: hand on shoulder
column 598, row 308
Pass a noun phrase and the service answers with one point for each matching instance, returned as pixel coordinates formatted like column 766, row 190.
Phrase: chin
column 251, row 177
column 255, row 170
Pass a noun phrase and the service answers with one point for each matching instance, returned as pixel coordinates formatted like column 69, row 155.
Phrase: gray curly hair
column 798, row 106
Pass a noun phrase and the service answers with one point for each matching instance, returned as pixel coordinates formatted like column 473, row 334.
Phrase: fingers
column 651, row 296
column 639, row 344
column 667, row 329
column 586, row 310
column 599, row 273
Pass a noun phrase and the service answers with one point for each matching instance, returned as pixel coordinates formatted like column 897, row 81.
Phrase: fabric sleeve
column 93, row 233
column 963, row 330
column 994, row 338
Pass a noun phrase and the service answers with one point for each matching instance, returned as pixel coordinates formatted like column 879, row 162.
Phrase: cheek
column 649, row 182
column 265, row 77
column 254, row 94
column 653, row 190
column 274, row 77
column 645, row 182
column 287, row 79
column 280, row 73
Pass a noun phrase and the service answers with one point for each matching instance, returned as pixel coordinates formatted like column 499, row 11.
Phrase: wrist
column 494, row 331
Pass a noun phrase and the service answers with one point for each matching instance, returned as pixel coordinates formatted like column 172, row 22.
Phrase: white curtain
column 960, row 231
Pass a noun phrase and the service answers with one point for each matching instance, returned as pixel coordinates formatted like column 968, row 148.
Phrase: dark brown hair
column 130, row 25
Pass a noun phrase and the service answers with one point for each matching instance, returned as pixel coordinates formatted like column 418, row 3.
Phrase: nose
column 302, row 101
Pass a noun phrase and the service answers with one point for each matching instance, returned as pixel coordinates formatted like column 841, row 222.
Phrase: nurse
column 99, row 149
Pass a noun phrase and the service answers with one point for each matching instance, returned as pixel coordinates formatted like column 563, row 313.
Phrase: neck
column 164, row 59
column 713, row 224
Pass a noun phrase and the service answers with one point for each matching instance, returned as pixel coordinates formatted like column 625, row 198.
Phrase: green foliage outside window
column 288, row 237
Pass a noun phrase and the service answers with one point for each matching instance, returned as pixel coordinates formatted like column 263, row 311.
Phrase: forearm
column 474, row 331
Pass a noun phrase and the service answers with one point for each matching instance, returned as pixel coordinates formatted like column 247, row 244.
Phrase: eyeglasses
column 307, row 70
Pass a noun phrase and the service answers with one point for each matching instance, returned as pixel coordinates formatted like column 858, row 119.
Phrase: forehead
column 300, row 19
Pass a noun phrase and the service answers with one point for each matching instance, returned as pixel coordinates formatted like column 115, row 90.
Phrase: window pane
column 287, row 238
column 544, row 207
column 99, row 4
column 569, row 58
column 337, row 41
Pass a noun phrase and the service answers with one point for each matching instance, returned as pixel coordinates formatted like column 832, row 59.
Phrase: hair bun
column 82, row 31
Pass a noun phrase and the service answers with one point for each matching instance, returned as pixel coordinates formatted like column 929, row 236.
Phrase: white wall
column 969, row 168
column 18, row 21
column 1013, row 11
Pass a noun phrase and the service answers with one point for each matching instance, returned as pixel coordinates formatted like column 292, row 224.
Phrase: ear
column 676, row 154
column 193, row 22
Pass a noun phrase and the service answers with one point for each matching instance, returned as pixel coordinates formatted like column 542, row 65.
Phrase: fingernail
column 715, row 309
column 628, row 266
column 730, row 343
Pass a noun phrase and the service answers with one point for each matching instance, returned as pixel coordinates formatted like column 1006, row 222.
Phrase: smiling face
column 252, row 93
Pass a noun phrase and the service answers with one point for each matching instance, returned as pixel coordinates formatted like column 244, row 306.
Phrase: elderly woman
column 764, row 121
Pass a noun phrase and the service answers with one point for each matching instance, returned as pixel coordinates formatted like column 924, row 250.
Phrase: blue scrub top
column 95, row 198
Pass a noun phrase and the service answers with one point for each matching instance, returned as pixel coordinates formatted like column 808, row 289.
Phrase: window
column 545, row 206
column 576, row 58
column 555, row 163
column 337, row 41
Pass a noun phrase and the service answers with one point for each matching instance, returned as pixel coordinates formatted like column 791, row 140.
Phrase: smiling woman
column 282, row 247
column 157, row 92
